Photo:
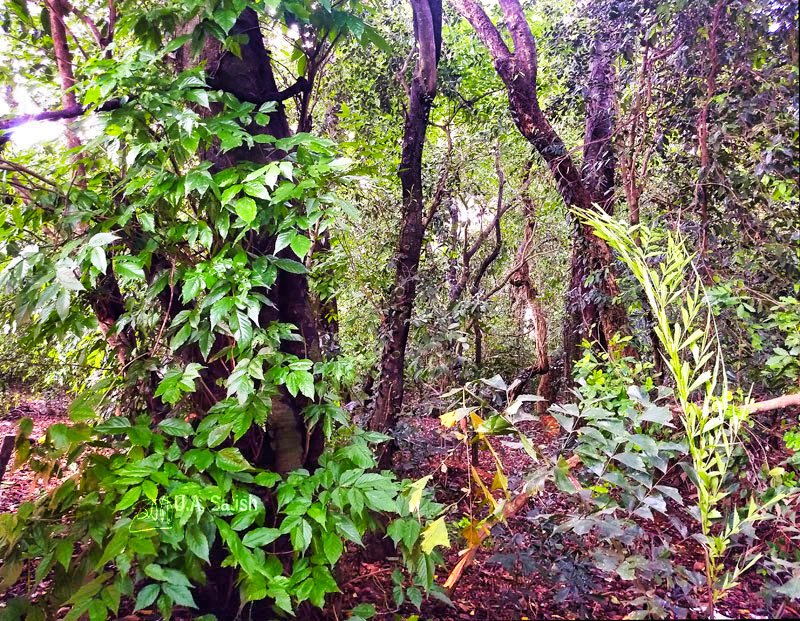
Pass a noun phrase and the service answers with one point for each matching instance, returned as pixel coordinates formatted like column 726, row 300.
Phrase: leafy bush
column 712, row 421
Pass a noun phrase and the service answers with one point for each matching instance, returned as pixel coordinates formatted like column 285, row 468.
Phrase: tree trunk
column 389, row 393
column 249, row 77
column 591, row 307
column 529, row 310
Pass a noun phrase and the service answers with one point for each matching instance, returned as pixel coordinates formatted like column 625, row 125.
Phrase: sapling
column 712, row 420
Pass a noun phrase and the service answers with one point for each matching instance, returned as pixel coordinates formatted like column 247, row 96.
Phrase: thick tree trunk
column 287, row 444
column 249, row 77
column 589, row 306
column 389, row 393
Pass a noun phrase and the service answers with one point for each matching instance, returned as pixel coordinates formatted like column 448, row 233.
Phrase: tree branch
column 484, row 28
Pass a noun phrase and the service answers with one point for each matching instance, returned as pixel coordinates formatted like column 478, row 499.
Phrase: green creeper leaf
column 98, row 258
column 332, row 546
column 260, row 537
column 199, row 458
column 381, row 501
column 300, row 381
column 414, row 595
column 301, row 536
column 348, row 529
column 246, row 209
column 284, row 239
column 150, row 490
column 435, row 535
column 147, row 596
column 257, row 190
column 199, row 181
column 300, row 245
column 64, row 552
column 180, row 337
column 288, row 265
column 197, row 542
column 102, row 239
column 175, row 427
column 128, row 267
column 231, row 460
column 219, row 434
column 181, row 595
column 63, row 303
column 791, row 588
column 632, row 460
column 65, row 275
column 130, row 497
column 268, row 479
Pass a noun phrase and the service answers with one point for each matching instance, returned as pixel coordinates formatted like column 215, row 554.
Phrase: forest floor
column 525, row 570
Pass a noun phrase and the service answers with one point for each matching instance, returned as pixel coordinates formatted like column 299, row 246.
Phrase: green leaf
column 102, row 239
column 181, row 595
column 261, row 537
column 147, row 596
column 150, row 490
column 284, row 239
column 791, row 588
column 257, row 190
column 246, row 209
column 300, row 381
column 288, row 265
column 128, row 267
column 231, row 460
column 175, row 427
column 198, row 181
column 130, row 497
column 435, row 534
column 267, row 479
column 97, row 257
column 632, row 460
column 219, row 434
column 65, row 276
column 300, row 245
column 301, row 536
column 414, row 595
column 197, row 542
column 332, row 546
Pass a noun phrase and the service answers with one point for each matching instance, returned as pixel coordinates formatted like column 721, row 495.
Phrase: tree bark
column 530, row 312
column 249, row 77
column 591, row 307
column 389, row 393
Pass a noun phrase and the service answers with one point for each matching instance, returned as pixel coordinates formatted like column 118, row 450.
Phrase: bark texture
column 588, row 306
column 529, row 309
column 249, row 77
column 389, row 393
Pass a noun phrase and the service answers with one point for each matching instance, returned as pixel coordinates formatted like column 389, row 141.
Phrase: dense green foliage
column 157, row 258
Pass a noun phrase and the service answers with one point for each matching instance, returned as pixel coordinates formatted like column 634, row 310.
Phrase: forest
column 399, row 310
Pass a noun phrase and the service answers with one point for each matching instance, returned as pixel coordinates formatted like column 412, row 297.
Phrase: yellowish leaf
column 435, row 535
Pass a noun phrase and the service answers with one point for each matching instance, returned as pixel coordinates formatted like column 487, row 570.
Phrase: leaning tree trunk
column 518, row 70
column 389, row 393
column 529, row 310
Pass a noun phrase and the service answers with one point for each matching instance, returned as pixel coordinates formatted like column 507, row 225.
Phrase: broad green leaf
column 435, row 534
column 246, row 209
column 231, row 460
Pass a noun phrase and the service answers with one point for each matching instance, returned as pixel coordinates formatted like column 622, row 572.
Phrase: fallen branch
column 785, row 401
column 509, row 510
